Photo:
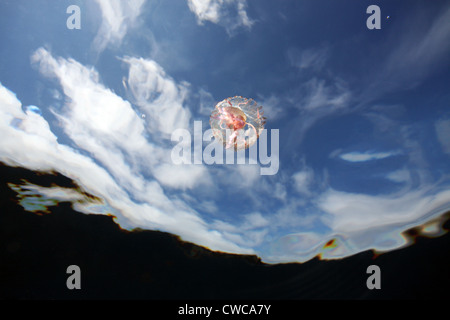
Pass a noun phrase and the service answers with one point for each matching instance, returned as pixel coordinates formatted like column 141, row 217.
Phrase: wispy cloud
column 118, row 16
column 272, row 106
column 158, row 96
column 121, row 159
column 231, row 14
column 321, row 95
column 206, row 102
column 250, row 232
column 399, row 176
column 101, row 140
column 302, row 180
column 356, row 218
column 206, row 10
column 432, row 45
column 413, row 53
column 316, row 99
column 105, row 125
column 311, row 58
column 354, row 215
column 356, row 156
column 442, row 128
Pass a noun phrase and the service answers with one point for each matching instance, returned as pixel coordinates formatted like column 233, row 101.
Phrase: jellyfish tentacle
column 254, row 129
column 232, row 139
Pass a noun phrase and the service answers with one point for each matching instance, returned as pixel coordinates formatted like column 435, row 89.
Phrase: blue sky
column 363, row 116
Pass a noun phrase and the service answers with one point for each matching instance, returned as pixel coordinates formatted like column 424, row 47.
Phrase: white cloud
column 248, row 175
column 105, row 126
column 271, row 107
column 427, row 41
column 294, row 215
column 158, row 96
column 362, row 221
column 96, row 109
column 117, row 17
column 208, row 206
column 429, row 46
column 251, row 232
column 181, row 176
column 321, row 95
column 43, row 152
column 399, row 176
column 353, row 214
column 302, row 180
column 207, row 102
column 316, row 99
column 231, row 14
column 442, row 128
column 255, row 220
column 366, row 156
column 280, row 191
column 205, row 10
column 313, row 58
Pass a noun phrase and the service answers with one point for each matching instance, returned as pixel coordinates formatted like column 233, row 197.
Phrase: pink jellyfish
column 237, row 122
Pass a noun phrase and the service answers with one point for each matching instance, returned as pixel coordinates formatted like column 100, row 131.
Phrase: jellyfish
column 237, row 122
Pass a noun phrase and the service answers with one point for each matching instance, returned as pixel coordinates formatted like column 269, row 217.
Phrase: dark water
column 37, row 247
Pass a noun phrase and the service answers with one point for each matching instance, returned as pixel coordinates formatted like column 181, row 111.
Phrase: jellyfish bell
column 237, row 122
